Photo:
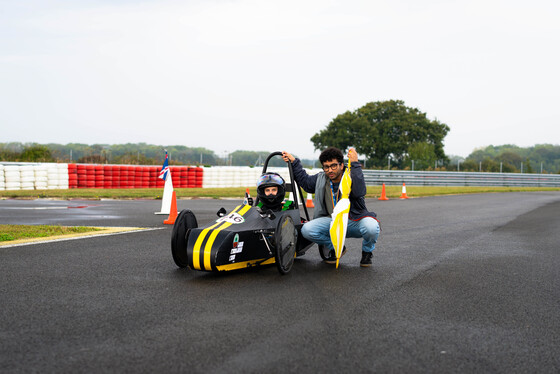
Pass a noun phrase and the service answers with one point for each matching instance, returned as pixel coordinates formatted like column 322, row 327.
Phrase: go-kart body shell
column 244, row 237
column 240, row 239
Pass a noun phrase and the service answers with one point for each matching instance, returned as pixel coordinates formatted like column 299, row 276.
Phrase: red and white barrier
column 39, row 176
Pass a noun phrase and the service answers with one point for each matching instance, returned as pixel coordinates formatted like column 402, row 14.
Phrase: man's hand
column 352, row 155
column 287, row 157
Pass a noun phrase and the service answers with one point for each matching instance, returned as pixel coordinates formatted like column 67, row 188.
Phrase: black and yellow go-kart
column 244, row 237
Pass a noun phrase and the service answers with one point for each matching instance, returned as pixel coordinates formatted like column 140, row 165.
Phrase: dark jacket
column 319, row 185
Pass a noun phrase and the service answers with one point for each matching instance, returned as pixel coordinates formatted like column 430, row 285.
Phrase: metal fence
column 450, row 178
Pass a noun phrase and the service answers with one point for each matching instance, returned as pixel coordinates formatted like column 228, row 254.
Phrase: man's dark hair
column 331, row 153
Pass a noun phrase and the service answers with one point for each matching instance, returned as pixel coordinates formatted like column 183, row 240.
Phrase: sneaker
column 332, row 256
column 366, row 259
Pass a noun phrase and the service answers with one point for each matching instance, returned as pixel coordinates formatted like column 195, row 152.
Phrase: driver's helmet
column 271, row 179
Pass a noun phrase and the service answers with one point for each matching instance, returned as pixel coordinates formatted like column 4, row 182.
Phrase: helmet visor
column 270, row 179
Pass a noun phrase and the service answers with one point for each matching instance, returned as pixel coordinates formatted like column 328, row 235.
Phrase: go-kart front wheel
column 285, row 238
column 186, row 220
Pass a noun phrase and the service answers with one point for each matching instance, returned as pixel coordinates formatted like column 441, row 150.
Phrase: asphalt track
column 467, row 284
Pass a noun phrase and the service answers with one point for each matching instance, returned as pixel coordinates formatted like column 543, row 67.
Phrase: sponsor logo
column 237, row 249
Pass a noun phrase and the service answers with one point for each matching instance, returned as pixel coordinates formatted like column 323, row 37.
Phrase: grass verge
column 421, row 191
column 18, row 232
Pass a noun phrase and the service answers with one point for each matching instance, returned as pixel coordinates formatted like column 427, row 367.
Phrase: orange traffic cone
column 309, row 201
column 173, row 213
column 383, row 195
column 403, row 195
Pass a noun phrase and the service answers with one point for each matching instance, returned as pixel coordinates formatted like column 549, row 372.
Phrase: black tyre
column 323, row 252
column 285, row 238
column 186, row 220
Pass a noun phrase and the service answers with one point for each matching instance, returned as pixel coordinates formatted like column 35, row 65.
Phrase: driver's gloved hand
column 250, row 201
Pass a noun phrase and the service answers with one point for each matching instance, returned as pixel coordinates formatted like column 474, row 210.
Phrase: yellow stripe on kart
column 200, row 240
column 244, row 264
column 212, row 238
column 198, row 243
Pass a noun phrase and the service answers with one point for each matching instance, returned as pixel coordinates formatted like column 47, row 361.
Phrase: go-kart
column 244, row 237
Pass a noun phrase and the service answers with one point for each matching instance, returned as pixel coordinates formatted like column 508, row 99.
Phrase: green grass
column 17, row 232
column 239, row 192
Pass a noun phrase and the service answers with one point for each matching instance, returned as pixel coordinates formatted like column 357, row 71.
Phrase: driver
column 271, row 190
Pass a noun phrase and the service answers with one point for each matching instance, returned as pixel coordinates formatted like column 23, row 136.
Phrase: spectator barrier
column 40, row 176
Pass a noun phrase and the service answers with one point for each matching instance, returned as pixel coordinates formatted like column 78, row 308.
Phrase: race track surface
column 464, row 284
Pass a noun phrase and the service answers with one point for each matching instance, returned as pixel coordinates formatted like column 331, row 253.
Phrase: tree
column 92, row 159
column 423, row 155
column 468, row 165
column 490, row 165
column 511, row 161
column 528, row 166
column 36, row 153
column 383, row 129
column 8, row 154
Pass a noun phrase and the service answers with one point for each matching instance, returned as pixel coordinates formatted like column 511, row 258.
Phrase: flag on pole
column 167, row 197
column 339, row 222
column 165, row 168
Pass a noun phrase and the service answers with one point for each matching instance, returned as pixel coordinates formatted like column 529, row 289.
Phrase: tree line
column 505, row 158
column 130, row 153
column 387, row 134
column 511, row 159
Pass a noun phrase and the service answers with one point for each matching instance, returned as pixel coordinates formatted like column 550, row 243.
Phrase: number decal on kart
column 233, row 218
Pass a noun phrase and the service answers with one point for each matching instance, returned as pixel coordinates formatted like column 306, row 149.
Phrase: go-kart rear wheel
column 285, row 239
column 186, row 220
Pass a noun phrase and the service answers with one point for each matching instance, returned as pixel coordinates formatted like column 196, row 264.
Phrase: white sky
column 267, row 75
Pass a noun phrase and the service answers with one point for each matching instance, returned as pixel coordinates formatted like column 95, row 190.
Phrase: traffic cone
column 173, row 213
column 309, row 201
column 247, row 197
column 291, row 196
column 383, row 195
column 403, row 195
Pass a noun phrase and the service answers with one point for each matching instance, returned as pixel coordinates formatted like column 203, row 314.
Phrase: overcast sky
column 267, row 75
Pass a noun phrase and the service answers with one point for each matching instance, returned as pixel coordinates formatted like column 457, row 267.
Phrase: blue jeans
column 317, row 230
